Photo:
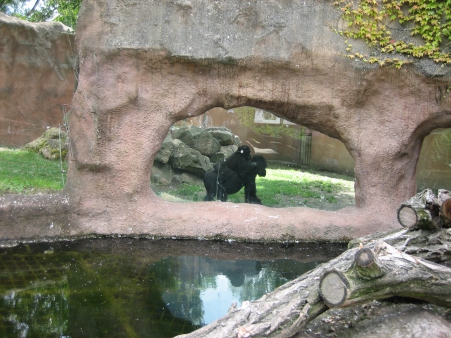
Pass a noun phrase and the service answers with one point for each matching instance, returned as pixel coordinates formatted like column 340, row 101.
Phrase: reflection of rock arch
column 135, row 83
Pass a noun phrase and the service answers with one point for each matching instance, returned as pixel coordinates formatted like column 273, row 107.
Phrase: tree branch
column 33, row 8
column 388, row 273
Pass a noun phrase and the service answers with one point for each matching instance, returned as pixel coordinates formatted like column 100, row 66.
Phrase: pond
column 122, row 287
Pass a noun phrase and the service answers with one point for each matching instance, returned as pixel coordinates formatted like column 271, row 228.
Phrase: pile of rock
column 186, row 154
column 52, row 145
column 189, row 152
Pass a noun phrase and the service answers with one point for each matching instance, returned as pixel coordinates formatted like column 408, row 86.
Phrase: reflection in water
column 216, row 299
column 136, row 288
column 39, row 311
column 203, row 289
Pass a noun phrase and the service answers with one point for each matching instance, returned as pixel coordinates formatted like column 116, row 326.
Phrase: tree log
column 444, row 201
column 396, row 274
column 289, row 308
column 415, row 217
column 420, row 212
column 431, row 245
column 281, row 313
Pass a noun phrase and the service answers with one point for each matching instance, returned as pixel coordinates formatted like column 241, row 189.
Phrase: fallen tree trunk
column 431, row 245
column 289, row 308
column 383, row 273
column 281, row 313
column 444, row 200
column 420, row 212
column 426, row 211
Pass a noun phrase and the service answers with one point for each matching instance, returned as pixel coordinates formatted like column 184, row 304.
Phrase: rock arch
column 145, row 65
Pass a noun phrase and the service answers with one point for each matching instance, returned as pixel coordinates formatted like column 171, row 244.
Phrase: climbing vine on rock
column 427, row 22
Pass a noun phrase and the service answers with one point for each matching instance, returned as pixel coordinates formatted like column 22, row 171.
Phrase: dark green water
column 139, row 288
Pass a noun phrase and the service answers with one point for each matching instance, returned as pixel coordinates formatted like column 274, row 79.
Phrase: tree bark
column 431, row 245
column 392, row 274
column 444, row 201
column 281, row 313
column 358, row 275
column 420, row 212
column 33, row 8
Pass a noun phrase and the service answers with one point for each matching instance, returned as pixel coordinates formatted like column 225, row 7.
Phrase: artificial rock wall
column 146, row 64
column 37, row 76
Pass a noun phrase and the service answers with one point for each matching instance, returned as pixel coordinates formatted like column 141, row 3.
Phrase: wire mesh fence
column 25, row 171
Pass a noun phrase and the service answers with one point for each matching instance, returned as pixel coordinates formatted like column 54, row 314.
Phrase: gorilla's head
column 245, row 151
column 261, row 165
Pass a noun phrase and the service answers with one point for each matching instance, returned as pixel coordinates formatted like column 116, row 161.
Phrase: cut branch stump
column 444, row 201
column 426, row 211
column 385, row 273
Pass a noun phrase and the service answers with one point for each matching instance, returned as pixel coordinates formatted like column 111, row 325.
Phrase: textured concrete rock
column 162, row 174
column 188, row 159
column 37, row 76
column 223, row 135
column 52, row 145
column 185, row 158
column 223, row 153
column 198, row 139
column 190, row 179
column 164, row 153
column 414, row 323
column 145, row 65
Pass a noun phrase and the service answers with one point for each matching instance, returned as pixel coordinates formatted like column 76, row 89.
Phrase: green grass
column 188, row 192
column 280, row 183
column 25, row 172
column 283, row 186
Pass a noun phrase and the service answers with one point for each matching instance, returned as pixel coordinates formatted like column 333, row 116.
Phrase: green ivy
column 370, row 20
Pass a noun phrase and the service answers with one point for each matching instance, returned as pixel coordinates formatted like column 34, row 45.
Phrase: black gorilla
column 230, row 176
column 250, row 188
column 230, row 172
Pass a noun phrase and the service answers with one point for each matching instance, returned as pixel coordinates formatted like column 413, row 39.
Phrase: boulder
column 188, row 159
column 52, row 144
column 189, row 178
column 161, row 174
column 380, row 319
column 223, row 153
column 164, row 154
column 198, row 139
column 223, row 135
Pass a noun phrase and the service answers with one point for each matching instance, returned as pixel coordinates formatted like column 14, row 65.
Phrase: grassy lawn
column 284, row 186
column 23, row 172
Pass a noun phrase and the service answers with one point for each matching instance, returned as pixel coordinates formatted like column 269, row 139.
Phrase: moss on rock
column 51, row 145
